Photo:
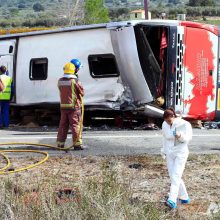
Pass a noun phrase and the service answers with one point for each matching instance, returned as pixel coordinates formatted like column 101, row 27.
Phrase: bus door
column 125, row 48
column 7, row 52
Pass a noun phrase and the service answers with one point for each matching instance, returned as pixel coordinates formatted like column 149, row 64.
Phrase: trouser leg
column 5, row 110
column 176, row 181
column 170, row 164
column 63, row 128
column 75, row 120
column 80, row 126
column 182, row 191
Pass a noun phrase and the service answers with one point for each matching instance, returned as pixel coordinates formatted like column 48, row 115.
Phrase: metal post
column 146, row 9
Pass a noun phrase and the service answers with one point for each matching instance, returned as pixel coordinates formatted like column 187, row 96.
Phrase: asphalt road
column 118, row 142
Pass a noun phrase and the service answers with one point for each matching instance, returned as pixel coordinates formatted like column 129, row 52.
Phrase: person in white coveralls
column 176, row 135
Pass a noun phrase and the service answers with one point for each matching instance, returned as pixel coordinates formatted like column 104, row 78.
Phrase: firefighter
column 77, row 64
column 6, row 94
column 71, row 92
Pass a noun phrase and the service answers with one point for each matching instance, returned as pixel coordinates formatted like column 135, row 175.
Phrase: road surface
column 115, row 142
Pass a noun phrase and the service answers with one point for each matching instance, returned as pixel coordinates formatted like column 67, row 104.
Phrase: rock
column 213, row 208
column 134, row 200
column 135, row 166
column 67, row 195
column 91, row 160
column 144, row 184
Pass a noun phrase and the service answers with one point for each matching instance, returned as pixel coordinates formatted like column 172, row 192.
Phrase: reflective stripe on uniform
column 64, row 83
column 67, row 105
column 73, row 93
column 61, row 142
column 6, row 93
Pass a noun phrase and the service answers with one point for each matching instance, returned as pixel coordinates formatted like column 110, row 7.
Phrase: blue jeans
column 4, row 113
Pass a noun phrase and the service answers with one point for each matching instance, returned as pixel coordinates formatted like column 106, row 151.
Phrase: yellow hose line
column 32, row 151
column 82, row 117
column 24, row 168
column 2, row 170
column 7, row 161
column 36, row 144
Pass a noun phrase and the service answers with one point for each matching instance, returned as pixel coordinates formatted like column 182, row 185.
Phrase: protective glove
column 174, row 132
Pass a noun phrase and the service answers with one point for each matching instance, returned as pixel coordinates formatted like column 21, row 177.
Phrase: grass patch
column 106, row 188
column 105, row 196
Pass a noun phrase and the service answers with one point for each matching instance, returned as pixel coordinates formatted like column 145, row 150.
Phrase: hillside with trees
column 32, row 13
column 49, row 13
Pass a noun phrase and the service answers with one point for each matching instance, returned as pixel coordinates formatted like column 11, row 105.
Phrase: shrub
column 38, row 7
column 21, row 6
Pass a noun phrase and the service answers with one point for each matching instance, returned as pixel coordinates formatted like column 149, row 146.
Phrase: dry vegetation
column 106, row 188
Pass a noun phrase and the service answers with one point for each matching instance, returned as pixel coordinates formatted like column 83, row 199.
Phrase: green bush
column 21, row 6
column 38, row 7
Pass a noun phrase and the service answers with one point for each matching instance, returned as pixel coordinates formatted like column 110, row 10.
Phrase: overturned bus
column 137, row 66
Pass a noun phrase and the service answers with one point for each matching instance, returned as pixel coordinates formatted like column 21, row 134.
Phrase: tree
column 21, row 5
column 71, row 11
column 208, row 3
column 119, row 14
column 201, row 3
column 95, row 12
column 174, row 1
column 38, row 7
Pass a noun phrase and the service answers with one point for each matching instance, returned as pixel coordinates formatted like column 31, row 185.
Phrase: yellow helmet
column 69, row 68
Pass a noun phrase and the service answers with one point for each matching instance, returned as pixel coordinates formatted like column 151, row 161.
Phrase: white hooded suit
column 176, row 151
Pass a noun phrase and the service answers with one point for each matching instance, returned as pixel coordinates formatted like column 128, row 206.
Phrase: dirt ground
column 145, row 175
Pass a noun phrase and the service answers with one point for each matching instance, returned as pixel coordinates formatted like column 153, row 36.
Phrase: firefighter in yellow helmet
column 70, row 104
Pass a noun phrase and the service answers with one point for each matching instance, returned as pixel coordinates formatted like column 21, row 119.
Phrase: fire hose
column 46, row 155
